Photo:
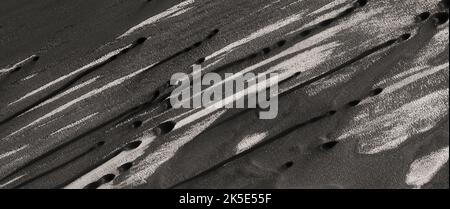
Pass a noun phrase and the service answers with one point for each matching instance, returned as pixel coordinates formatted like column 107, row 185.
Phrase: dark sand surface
column 364, row 103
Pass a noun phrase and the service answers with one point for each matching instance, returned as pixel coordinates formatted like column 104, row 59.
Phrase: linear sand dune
column 362, row 94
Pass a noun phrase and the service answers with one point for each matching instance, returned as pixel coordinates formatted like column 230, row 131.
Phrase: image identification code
column 238, row 198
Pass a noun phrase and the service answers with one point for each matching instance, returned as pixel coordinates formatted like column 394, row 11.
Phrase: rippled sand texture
column 363, row 94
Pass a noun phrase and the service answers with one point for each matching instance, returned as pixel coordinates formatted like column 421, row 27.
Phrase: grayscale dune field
column 363, row 94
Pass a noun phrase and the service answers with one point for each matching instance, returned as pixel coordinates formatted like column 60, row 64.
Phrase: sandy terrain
column 363, row 94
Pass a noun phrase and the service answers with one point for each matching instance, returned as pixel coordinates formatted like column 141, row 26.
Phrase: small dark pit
column 213, row 33
column 107, row 178
column 405, row 36
column 376, row 92
column 165, row 128
column 361, row 3
column 125, row 167
column 287, row 165
column 281, row 43
column 328, row 145
column 440, row 18
column 266, row 50
column 140, row 40
column 200, row 61
column 354, row 103
column 132, row 145
column 100, row 143
column 137, row 124
column 93, row 185
column 331, row 112
column 423, row 16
